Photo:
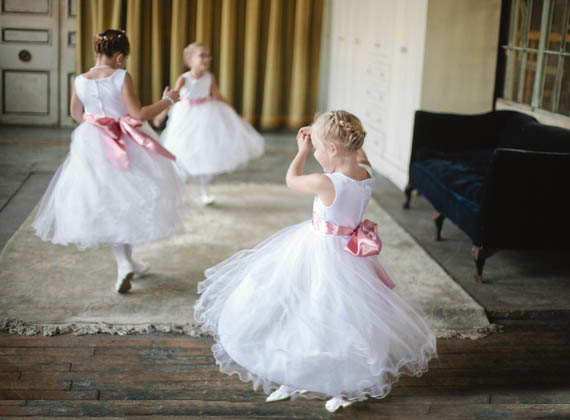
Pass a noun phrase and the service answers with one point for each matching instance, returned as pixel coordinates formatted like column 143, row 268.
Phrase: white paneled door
column 37, row 49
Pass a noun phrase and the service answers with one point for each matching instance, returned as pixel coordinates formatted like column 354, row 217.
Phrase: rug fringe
column 15, row 326
column 474, row 333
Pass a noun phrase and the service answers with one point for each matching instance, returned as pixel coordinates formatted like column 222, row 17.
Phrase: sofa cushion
column 463, row 173
column 462, row 211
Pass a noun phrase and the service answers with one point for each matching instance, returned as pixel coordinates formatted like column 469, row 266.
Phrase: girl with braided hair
column 118, row 185
column 310, row 311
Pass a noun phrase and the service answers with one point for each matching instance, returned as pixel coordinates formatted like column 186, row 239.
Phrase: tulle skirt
column 209, row 139
column 298, row 310
column 90, row 202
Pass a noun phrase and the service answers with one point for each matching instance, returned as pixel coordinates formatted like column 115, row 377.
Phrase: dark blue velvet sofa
column 498, row 176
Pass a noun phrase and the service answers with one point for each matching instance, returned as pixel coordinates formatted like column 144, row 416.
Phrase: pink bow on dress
column 364, row 240
column 113, row 133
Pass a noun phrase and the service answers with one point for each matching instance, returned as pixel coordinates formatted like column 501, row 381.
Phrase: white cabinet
column 373, row 66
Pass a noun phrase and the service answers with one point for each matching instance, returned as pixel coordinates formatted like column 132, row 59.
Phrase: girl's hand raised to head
column 304, row 140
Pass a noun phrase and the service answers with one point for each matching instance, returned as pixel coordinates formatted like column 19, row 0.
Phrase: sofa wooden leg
column 438, row 221
column 479, row 256
column 408, row 193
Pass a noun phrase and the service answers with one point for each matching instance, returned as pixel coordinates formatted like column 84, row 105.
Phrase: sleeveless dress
column 207, row 136
column 90, row 201
column 298, row 310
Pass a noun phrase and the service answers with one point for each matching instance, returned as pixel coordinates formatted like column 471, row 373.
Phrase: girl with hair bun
column 118, row 185
column 204, row 132
column 310, row 311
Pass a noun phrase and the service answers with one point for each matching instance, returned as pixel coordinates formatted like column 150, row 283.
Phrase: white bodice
column 196, row 88
column 102, row 96
column 351, row 199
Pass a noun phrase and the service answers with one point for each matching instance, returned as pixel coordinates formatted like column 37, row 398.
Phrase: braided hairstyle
column 111, row 41
column 341, row 128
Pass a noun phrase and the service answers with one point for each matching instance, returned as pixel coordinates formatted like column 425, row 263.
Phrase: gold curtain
column 265, row 52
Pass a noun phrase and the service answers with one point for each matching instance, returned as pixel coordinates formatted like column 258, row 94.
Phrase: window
column 537, row 69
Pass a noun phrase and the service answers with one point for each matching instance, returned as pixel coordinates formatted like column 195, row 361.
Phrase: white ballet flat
column 208, row 200
column 277, row 395
column 140, row 269
column 335, row 403
column 124, row 277
column 281, row 394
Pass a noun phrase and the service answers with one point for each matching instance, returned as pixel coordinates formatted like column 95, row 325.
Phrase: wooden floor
column 522, row 373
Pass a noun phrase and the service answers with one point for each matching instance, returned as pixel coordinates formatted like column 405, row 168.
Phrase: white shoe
column 282, row 393
column 125, row 274
column 335, row 403
column 208, row 200
column 140, row 269
column 277, row 395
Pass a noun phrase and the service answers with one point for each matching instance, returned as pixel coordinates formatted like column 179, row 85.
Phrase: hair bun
column 111, row 41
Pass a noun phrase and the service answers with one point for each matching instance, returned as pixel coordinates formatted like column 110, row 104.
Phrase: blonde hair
column 191, row 48
column 340, row 127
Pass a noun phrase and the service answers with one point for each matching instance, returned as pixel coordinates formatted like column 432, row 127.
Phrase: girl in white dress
column 310, row 311
column 207, row 136
column 118, row 185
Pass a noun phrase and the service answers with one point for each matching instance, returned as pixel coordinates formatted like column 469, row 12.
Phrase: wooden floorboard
column 522, row 373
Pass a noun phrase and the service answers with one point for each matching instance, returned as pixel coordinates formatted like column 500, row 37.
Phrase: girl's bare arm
column 133, row 104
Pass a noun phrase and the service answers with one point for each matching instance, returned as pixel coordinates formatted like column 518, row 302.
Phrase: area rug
column 52, row 289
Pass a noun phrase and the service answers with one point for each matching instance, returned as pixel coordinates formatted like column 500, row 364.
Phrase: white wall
column 461, row 55
column 372, row 62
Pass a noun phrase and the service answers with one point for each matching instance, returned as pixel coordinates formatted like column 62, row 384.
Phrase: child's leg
column 139, row 268
column 204, row 179
column 206, row 197
column 124, row 267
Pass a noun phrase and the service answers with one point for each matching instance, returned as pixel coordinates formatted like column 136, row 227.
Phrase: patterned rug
column 53, row 289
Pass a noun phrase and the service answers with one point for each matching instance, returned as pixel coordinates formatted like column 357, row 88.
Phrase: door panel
column 37, row 49
column 68, row 36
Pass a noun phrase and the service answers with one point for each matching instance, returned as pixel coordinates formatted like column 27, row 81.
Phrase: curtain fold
column 265, row 53
column 251, row 57
column 227, row 49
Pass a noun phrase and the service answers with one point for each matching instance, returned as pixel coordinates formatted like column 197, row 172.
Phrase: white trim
column 541, row 115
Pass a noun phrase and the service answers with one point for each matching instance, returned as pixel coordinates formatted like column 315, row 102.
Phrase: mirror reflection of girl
column 207, row 136
column 118, row 185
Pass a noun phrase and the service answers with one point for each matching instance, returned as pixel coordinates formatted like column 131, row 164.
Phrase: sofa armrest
column 520, row 205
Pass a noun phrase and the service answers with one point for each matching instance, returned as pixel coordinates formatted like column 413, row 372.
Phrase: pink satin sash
column 113, row 133
column 197, row 101
column 364, row 240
